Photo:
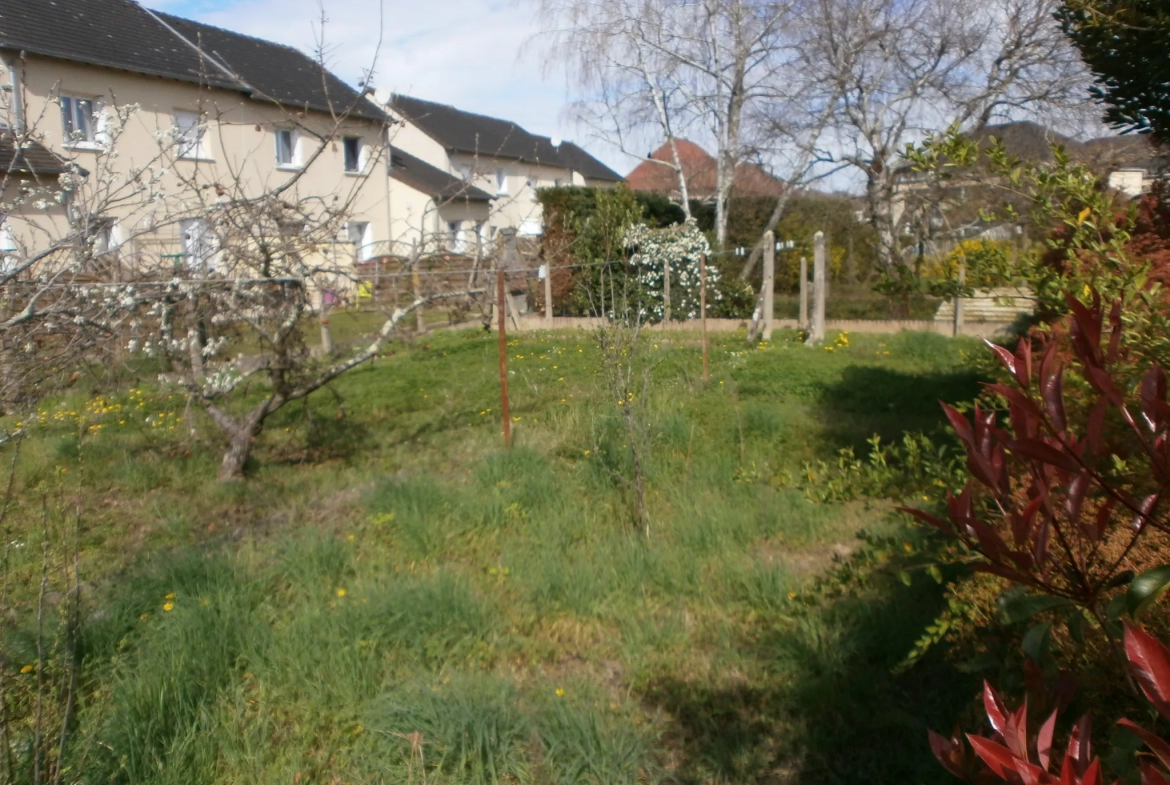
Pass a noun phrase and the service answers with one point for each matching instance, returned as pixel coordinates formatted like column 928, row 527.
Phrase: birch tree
column 677, row 67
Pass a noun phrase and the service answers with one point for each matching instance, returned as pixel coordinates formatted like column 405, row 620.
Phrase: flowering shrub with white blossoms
column 684, row 246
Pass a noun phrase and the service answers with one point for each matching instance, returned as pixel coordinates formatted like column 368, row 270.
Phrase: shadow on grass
column 869, row 399
column 830, row 710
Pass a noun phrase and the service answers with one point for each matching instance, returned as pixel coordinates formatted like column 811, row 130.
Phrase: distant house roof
column 433, row 182
column 31, row 158
column 122, row 34
column 466, row 132
column 476, row 134
column 699, row 167
column 586, row 165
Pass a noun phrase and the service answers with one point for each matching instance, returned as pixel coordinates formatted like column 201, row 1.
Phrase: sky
column 478, row 55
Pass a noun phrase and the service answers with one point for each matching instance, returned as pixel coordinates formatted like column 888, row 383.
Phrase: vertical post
column 769, row 283
column 703, row 311
column 958, row 325
column 802, row 321
column 416, row 286
column 548, row 313
column 666, row 292
column 817, row 334
column 501, row 294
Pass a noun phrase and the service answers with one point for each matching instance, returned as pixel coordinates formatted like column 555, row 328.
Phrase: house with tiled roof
column 657, row 174
column 191, row 104
column 491, row 156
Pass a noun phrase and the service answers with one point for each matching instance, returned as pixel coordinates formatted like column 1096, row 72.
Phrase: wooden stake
column 666, row 293
column 802, row 321
column 548, row 313
column 817, row 333
column 500, row 308
column 703, row 312
column 769, row 283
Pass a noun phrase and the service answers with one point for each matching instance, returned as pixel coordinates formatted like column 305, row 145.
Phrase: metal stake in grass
column 500, row 295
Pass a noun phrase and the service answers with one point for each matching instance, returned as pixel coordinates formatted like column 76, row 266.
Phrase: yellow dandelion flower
column 560, row 692
column 341, row 592
column 168, row 607
column 170, row 596
column 28, row 669
column 350, row 538
column 792, row 595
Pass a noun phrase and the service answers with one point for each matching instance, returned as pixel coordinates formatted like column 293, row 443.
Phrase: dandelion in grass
column 28, row 669
column 560, row 692
column 168, row 607
column 341, row 592
column 170, row 596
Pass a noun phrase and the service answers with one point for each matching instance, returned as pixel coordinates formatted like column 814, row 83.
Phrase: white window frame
column 501, row 182
column 71, row 106
column 455, row 240
column 197, row 245
column 465, row 172
column 361, row 235
column 294, row 161
column 360, row 159
column 191, row 135
column 9, row 250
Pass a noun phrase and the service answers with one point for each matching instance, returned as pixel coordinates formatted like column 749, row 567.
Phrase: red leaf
column 1005, row 357
column 1044, row 741
column 1150, row 661
column 1076, row 497
column 1022, row 521
column 1024, row 363
column 1016, row 731
column 1145, row 510
column 1157, row 745
column 1092, row 774
column 1080, row 747
column 949, row 752
column 1104, row 515
column 1053, row 391
column 961, row 426
column 1041, row 451
column 1151, row 775
column 1153, row 392
column 997, row 712
column 927, row 518
column 997, row 757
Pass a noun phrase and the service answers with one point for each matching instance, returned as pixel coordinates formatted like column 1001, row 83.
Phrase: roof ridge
column 226, row 31
column 454, row 108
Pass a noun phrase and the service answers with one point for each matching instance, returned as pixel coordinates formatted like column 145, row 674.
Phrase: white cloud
column 475, row 55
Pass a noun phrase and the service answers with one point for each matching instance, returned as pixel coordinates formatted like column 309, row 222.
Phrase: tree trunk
column 880, row 195
column 239, row 448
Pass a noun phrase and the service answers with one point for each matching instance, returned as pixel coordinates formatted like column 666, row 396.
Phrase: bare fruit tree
column 210, row 272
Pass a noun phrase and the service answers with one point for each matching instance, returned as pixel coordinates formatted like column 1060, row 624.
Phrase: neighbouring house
column 939, row 214
column 657, row 174
column 211, row 106
column 489, row 156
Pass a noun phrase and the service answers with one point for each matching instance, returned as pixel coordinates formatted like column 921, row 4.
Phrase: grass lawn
column 392, row 598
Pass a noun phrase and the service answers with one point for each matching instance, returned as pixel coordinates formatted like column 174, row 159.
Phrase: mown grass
column 391, row 597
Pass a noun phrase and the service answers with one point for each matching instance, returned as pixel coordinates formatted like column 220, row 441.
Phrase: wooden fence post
column 703, row 311
column 817, row 333
column 769, row 283
column 666, row 292
column 957, row 328
column 548, row 312
column 501, row 294
column 802, row 321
